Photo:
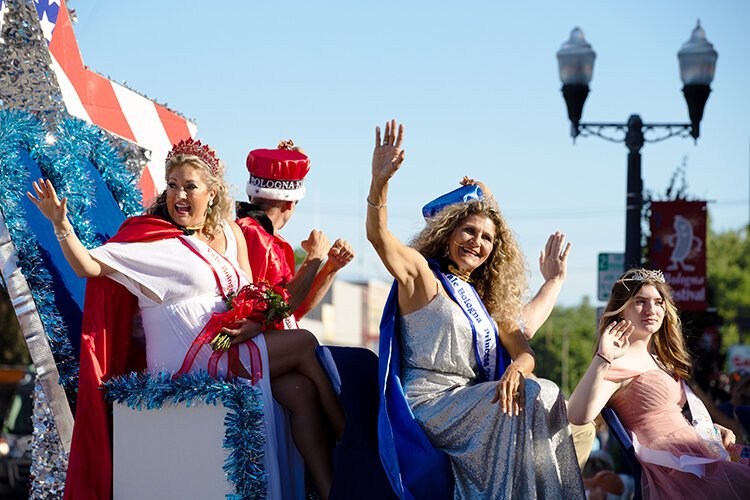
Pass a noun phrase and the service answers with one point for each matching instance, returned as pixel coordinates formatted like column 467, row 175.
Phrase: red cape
column 107, row 350
column 271, row 257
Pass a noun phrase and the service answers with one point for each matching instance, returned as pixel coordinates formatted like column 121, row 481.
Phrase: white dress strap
column 231, row 251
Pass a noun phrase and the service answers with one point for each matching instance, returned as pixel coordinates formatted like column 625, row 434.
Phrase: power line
column 354, row 211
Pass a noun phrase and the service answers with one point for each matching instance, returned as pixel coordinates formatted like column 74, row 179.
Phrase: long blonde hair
column 501, row 280
column 221, row 209
column 668, row 342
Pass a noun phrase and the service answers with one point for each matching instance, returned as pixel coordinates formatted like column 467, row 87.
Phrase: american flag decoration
column 46, row 93
column 107, row 104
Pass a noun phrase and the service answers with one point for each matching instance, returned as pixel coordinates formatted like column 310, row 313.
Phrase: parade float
column 103, row 145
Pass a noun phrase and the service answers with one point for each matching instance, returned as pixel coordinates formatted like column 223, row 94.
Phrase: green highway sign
column 611, row 266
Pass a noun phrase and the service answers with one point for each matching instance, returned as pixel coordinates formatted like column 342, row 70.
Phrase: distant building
column 349, row 314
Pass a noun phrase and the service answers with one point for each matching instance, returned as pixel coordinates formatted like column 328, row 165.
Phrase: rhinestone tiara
column 195, row 148
column 644, row 275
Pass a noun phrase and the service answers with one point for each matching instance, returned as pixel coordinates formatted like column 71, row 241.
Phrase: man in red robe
column 274, row 188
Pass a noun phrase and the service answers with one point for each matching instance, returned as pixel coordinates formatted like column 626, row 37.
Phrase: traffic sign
column 611, row 266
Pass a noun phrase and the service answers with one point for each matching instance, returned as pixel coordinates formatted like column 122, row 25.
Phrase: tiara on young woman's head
column 644, row 275
column 195, row 148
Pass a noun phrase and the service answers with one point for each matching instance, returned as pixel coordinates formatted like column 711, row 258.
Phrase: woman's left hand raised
column 244, row 330
column 553, row 259
column 510, row 391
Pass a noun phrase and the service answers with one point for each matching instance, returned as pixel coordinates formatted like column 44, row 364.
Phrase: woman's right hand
column 47, row 202
column 510, row 391
column 244, row 330
column 615, row 340
column 388, row 155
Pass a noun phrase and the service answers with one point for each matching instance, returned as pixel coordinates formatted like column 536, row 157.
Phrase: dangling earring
column 210, row 204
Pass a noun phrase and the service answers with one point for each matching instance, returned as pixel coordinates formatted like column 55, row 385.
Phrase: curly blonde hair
column 501, row 280
column 222, row 207
column 668, row 342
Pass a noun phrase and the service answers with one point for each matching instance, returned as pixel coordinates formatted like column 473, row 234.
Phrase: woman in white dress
column 181, row 262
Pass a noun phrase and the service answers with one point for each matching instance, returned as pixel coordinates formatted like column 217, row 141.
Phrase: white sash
column 703, row 423
column 225, row 272
column 485, row 331
column 688, row 463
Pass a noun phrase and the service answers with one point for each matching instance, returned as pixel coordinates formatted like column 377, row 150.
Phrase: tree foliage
column 299, row 256
column 578, row 324
column 728, row 258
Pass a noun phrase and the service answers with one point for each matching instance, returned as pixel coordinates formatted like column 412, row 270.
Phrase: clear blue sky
column 475, row 84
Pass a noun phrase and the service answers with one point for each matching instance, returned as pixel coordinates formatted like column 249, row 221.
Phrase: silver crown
column 644, row 275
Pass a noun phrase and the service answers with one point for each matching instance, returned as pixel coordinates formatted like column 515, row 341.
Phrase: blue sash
column 492, row 359
column 414, row 467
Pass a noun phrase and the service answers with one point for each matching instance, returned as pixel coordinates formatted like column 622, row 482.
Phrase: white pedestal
column 173, row 452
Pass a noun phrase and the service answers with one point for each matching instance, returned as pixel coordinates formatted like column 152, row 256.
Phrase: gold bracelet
column 376, row 207
column 64, row 235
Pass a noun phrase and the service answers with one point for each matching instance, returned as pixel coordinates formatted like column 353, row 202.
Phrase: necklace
column 463, row 275
column 197, row 227
column 203, row 237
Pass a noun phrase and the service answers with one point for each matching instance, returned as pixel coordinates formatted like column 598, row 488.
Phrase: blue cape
column 415, row 468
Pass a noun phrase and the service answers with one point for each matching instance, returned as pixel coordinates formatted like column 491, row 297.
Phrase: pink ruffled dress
column 651, row 408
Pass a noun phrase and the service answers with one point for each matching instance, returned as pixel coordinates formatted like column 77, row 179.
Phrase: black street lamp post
column 697, row 59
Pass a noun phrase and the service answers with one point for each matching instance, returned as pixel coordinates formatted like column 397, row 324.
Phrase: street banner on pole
column 678, row 248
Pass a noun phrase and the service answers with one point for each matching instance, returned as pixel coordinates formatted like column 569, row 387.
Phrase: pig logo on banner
column 684, row 242
column 678, row 247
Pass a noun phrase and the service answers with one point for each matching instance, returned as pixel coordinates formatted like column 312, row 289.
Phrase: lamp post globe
column 576, row 64
column 697, row 67
column 575, row 61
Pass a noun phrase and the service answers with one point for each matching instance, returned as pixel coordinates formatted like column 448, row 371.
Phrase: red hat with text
column 277, row 174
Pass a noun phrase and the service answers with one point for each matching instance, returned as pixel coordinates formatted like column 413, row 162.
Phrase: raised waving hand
column 615, row 340
column 594, row 390
column 47, row 201
column 388, row 155
column 56, row 210
column 553, row 259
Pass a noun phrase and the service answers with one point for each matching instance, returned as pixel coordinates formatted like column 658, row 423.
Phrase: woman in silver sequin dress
column 504, row 438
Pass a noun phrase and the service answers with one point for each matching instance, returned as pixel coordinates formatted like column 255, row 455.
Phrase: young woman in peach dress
column 639, row 370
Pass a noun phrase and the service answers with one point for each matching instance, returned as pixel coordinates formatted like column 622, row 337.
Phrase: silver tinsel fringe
column 49, row 462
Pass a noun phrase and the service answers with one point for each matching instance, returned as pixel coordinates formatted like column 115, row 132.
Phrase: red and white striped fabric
column 107, row 104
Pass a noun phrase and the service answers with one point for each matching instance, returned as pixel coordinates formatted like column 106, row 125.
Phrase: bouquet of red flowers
column 262, row 302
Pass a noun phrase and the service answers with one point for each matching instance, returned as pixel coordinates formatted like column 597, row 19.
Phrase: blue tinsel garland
column 62, row 157
column 22, row 130
column 81, row 141
column 76, row 143
column 244, row 433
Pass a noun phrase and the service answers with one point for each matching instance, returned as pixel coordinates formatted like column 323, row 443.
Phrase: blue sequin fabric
column 493, row 455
